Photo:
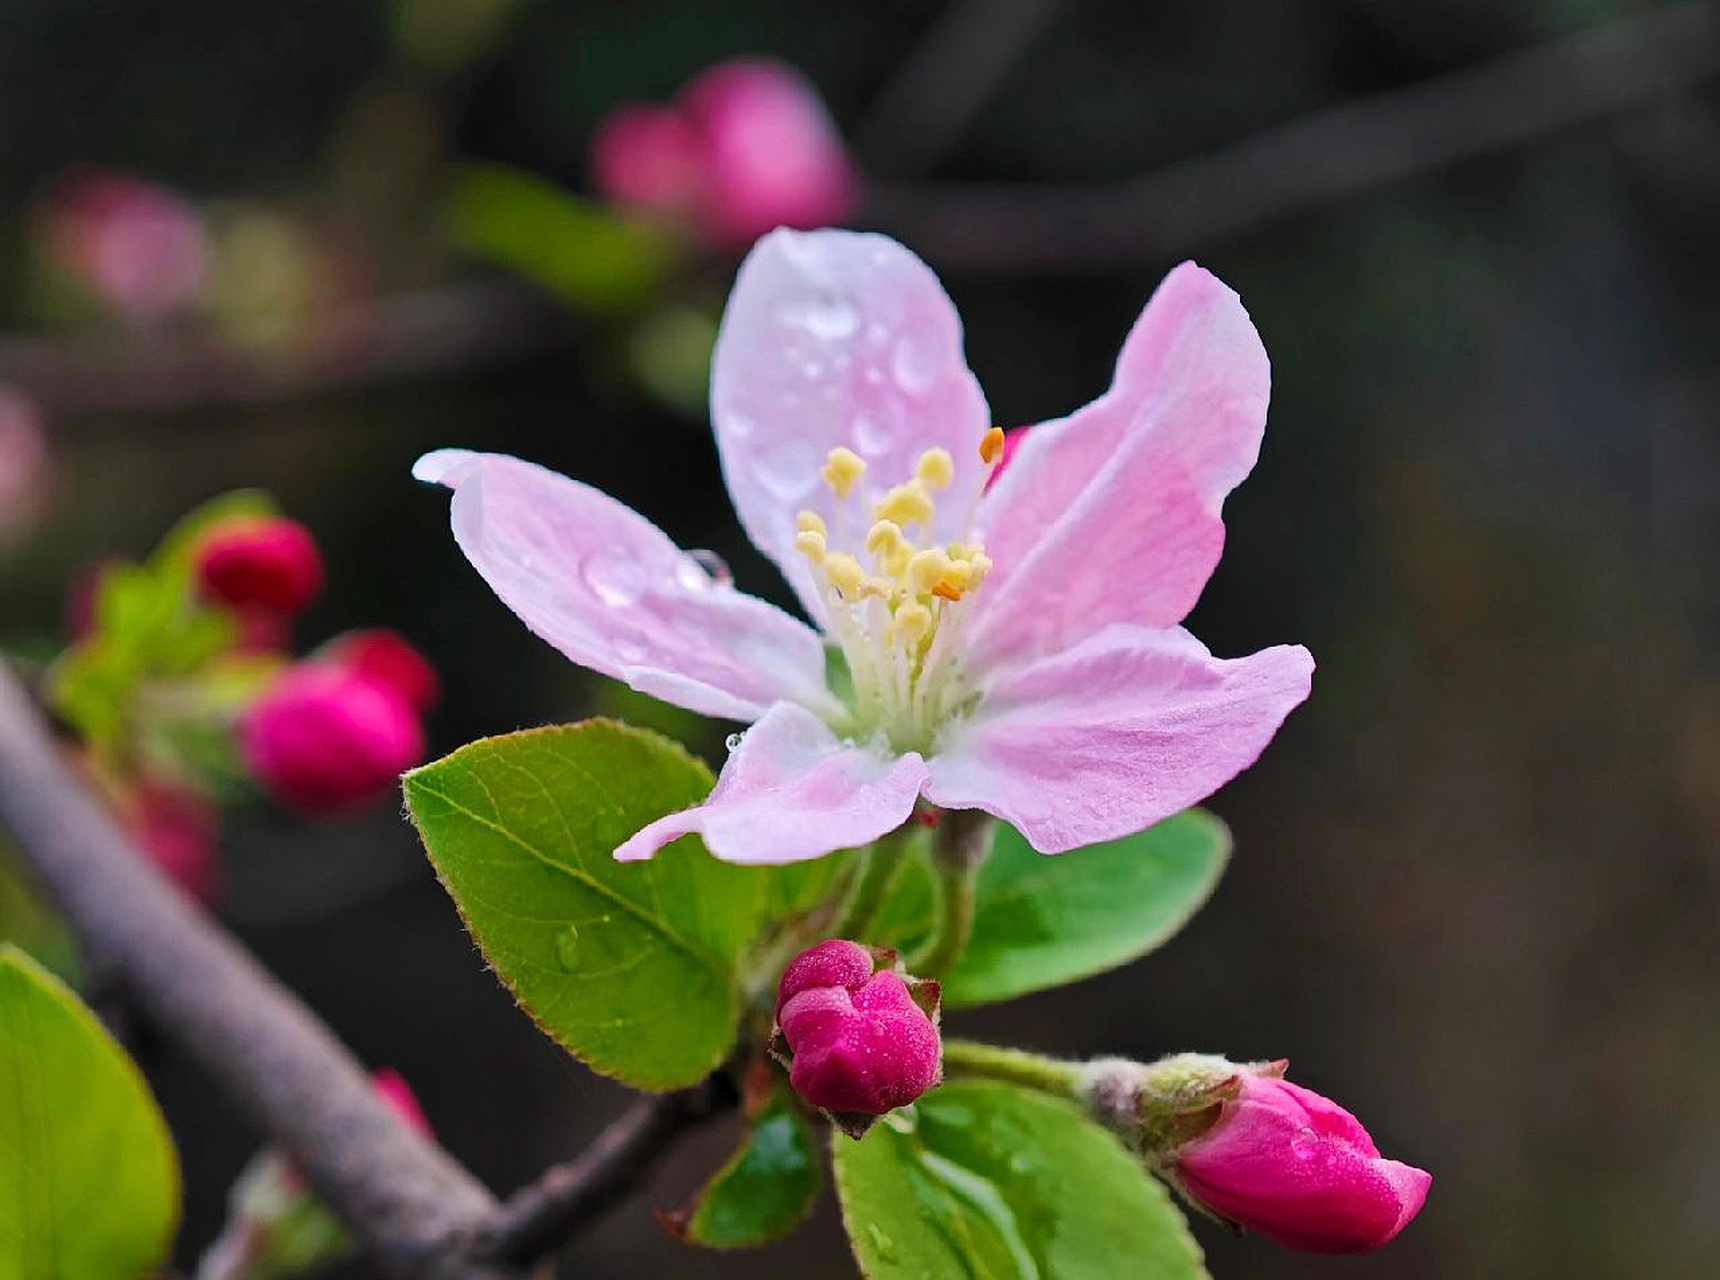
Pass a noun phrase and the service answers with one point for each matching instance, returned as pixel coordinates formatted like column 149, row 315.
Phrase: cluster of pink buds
column 747, row 147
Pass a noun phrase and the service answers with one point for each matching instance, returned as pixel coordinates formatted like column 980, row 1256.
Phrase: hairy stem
column 876, row 872
column 962, row 845
column 974, row 1060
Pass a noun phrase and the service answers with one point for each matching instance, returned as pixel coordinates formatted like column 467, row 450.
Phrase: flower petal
column 792, row 791
column 1112, row 514
column 836, row 338
column 611, row 591
column 1116, row 734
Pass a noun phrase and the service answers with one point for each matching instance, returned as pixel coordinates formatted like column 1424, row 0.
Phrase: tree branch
column 1327, row 156
column 539, row 1217
column 405, row 1197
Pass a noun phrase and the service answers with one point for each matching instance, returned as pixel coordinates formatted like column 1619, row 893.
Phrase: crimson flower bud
column 392, row 1088
column 323, row 737
column 860, row 1039
column 386, row 657
column 260, row 564
column 1300, row 1170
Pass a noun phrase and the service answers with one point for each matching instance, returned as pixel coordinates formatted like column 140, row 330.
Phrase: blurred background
column 1476, row 884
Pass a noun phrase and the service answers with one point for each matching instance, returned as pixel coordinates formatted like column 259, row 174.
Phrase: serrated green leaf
column 592, row 257
column 991, row 1182
column 631, row 967
column 767, row 1188
column 1046, row 921
column 89, row 1180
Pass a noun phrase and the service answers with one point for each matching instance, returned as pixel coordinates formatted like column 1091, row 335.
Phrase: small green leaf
column 632, row 967
column 1045, row 921
column 766, row 1189
column 595, row 259
column 990, row 1181
column 89, row 1181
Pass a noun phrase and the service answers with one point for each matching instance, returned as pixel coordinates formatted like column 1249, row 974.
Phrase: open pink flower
column 1015, row 651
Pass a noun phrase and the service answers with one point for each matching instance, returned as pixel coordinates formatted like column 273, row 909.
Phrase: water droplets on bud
column 567, row 949
column 614, row 578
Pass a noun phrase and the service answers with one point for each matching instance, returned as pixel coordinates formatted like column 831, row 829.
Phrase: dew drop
column 885, row 1246
column 827, row 316
column 872, row 435
column 614, row 578
column 913, row 364
column 567, row 949
column 702, row 569
column 788, row 468
column 733, row 741
column 738, row 425
column 629, row 651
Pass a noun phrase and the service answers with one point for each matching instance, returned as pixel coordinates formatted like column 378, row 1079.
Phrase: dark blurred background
column 1476, row 885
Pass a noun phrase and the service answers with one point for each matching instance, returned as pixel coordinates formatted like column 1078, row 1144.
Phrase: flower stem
column 962, row 846
column 870, row 886
column 974, row 1060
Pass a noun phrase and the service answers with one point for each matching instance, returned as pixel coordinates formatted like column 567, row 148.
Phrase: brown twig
column 410, row 1202
column 537, row 1218
column 1324, row 157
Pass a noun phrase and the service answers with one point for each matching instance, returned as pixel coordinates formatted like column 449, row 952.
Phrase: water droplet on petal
column 913, row 363
column 702, row 569
column 788, row 468
column 614, row 578
column 738, row 425
column 567, row 949
column 872, row 435
column 629, row 651
column 733, row 741
column 827, row 316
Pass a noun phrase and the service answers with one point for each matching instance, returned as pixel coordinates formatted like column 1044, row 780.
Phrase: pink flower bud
column 748, row 147
column 177, row 830
column 139, row 246
column 386, row 657
column 323, row 737
column 392, row 1088
column 1300, row 1170
column 772, row 153
column 860, row 1043
column 260, row 564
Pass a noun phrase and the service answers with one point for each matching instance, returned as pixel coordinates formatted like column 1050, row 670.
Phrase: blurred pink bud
column 1300, row 1170
column 23, row 461
column 323, row 737
column 177, row 829
column 648, row 157
column 386, row 657
column 859, row 1042
column 392, row 1088
column 260, row 564
column 138, row 245
column 747, row 147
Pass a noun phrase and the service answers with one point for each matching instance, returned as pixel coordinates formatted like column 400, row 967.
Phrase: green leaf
column 595, row 259
column 632, row 967
column 766, row 1189
column 1045, row 921
column 994, row 1183
column 89, row 1181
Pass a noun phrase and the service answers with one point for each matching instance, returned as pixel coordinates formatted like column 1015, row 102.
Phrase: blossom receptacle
column 323, row 737
column 861, row 1039
column 268, row 564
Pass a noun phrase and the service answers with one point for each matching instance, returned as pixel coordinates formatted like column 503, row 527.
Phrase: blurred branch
column 410, row 1202
column 1327, row 156
column 948, row 76
column 539, row 1217
column 361, row 344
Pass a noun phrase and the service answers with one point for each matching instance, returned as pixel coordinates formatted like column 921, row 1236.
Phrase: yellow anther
column 810, row 522
column 810, row 543
column 897, row 563
column 944, row 589
column 913, row 620
column 959, row 574
column 883, row 538
column 964, row 550
column 936, row 468
column 906, row 504
column 925, row 568
column 841, row 469
column 991, row 446
column 883, row 588
column 845, row 573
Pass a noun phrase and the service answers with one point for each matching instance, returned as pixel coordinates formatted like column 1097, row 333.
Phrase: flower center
column 896, row 598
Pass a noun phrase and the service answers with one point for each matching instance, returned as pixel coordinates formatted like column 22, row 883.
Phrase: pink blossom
column 138, row 245
column 385, row 657
column 746, row 148
column 1300, row 1170
column 270, row 564
column 861, row 1046
column 1016, row 651
column 323, row 737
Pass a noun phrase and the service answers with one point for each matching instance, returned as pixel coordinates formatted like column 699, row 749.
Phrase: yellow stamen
column 913, row 620
column 906, row 504
column 841, row 469
column 845, row 573
column 936, row 468
column 883, row 539
column 810, row 522
column 944, row 589
column 810, row 543
column 991, row 446
column 925, row 568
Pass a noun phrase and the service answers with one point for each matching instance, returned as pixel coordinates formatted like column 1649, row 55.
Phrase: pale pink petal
column 1112, row 514
column 1111, row 736
column 839, row 338
column 791, row 790
column 611, row 591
